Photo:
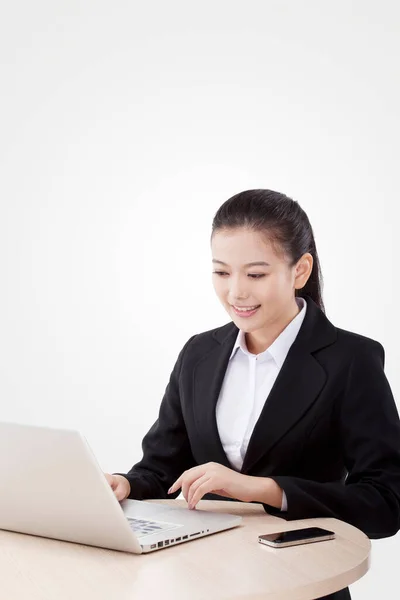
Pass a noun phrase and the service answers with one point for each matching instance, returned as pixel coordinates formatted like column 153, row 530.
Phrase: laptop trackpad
column 141, row 508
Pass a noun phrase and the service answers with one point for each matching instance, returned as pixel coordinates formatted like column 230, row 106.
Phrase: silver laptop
column 52, row 486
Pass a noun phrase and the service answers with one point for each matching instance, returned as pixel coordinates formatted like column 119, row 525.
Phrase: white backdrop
column 124, row 126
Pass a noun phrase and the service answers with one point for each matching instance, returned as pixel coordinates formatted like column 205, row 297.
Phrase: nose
column 237, row 290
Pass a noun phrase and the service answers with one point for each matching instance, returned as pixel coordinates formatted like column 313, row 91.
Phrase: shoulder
column 354, row 344
column 356, row 341
column 218, row 334
column 201, row 343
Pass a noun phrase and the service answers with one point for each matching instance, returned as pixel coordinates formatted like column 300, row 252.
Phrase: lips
column 245, row 313
column 246, row 307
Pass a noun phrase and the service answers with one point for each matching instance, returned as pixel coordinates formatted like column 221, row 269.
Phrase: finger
column 190, row 479
column 111, row 480
column 175, row 486
column 119, row 492
column 189, row 475
column 203, row 488
column 178, row 483
column 186, row 485
column 194, row 486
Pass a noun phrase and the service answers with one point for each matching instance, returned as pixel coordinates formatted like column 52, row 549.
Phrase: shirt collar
column 280, row 347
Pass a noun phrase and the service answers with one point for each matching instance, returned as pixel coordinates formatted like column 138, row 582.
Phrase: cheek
column 280, row 282
column 271, row 290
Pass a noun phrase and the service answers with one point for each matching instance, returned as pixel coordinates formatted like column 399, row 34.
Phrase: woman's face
column 269, row 285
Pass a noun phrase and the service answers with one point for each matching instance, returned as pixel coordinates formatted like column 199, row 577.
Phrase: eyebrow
column 259, row 263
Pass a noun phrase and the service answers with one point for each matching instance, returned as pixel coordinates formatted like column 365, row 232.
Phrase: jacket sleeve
column 166, row 448
column 369, row 428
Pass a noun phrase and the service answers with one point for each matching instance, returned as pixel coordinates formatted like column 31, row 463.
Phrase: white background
column 124, row 126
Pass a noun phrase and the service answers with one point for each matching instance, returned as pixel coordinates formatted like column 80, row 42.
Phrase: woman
column 278, row 406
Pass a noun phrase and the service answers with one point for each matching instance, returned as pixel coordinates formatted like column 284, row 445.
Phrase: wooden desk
column 226, row 565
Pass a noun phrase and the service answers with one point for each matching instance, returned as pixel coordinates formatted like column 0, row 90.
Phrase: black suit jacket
column 328, row 434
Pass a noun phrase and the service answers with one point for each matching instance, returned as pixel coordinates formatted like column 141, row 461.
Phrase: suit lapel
column 208, row 376
column 296, row 388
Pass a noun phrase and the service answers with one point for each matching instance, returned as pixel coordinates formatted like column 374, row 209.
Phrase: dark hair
column 285, row 224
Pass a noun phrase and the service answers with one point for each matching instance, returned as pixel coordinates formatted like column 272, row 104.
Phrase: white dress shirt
column 247, row 383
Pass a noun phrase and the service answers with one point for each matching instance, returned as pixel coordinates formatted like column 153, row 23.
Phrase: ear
column 303, row 270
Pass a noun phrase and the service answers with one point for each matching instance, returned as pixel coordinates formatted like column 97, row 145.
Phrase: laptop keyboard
column 143, row 527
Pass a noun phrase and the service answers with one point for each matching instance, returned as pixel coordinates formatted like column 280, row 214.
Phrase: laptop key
column 143, row 527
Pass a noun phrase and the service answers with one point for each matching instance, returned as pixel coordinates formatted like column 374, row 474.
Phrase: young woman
column 278, row 406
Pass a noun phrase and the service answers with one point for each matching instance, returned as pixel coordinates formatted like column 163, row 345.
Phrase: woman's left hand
column 213, row 477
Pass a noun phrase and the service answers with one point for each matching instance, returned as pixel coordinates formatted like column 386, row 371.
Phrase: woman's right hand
column 120, row 486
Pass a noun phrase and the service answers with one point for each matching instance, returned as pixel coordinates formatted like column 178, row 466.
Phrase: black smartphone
column 282, row 539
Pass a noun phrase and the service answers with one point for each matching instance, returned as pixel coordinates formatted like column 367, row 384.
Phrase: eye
column 252, row 275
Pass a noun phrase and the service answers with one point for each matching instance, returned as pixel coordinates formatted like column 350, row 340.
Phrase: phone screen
column 295, row 535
